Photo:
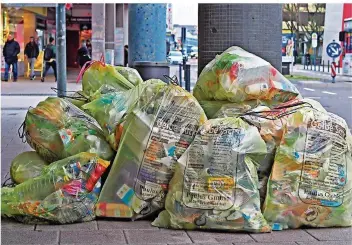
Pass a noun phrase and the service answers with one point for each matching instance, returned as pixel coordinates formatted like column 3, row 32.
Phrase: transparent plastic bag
column 270, row 123
column 309, row 184
column 65, row 192
column 110, row 108
column 57, row 129
column 25, row 166
column 237, row 76
column 98, row 73
column 215, row 185
column 155, row 133
column 130, row 74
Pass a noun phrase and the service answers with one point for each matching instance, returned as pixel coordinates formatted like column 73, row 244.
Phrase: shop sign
column 41, row 24
column 79, row 20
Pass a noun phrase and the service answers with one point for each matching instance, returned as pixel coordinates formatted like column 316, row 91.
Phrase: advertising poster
column 287, row 47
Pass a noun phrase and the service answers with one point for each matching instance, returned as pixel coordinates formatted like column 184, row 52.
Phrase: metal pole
column 180, row 74
column 338, row 67
column 61, row 49
column 323, row 65
column 314, row 54
column 188, row 77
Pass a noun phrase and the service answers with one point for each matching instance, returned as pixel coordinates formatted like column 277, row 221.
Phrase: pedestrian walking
column 307, row 55
column 31, row 51
column 10, row 52
column 50, row 58
column 83, row 54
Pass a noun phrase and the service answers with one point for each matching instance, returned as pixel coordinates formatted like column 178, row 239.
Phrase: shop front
column 12, row 22
column 23, row 23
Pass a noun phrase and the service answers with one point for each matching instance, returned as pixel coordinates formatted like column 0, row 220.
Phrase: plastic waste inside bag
column 98, row 73
column 309, row 182
column 25, row 166
column 155, row 134
column 237, row 76
column 104, row 89
column 65, row 192
column 270, row 123
column 215, row 185
column 57, row 129
column 110, row 108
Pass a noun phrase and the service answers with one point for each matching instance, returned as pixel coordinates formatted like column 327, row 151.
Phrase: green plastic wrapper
column 110, row 108
column 155, row 134
column 65, row 192
column 57, row 129
column 215, row 185
column 98, row 74
column 237, row 76
column 130, row 74
column 25, row 166
column 309, row 184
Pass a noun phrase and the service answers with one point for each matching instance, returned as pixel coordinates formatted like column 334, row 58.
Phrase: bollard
column 188, row 77
column 333, row 71
column 180, row 74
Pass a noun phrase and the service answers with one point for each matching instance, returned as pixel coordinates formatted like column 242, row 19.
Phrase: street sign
column 333, row 50
column 314, row 40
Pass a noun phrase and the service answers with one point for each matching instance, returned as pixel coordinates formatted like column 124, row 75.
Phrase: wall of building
column 254, row 27
column 333, row 20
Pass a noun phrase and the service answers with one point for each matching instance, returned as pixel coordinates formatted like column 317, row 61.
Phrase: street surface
column 17, row 97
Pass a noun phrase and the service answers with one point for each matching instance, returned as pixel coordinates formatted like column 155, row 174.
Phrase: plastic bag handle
column 89, row 64
column 81, row 96
column 173, row 80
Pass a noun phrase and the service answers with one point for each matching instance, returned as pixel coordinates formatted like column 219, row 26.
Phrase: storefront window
column 12, row 21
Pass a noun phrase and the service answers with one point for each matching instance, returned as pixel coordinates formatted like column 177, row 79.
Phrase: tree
column 305, row 19
column 315, row 20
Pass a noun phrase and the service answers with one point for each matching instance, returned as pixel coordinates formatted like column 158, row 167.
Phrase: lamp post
column 61, row 49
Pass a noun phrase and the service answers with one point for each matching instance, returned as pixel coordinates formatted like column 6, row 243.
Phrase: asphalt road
column 336, row 98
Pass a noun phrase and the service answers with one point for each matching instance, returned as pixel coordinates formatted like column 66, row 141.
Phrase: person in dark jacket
column 10, row 52
column 83, row 54
column 50, row 58
column 31, row 51
column 89, row 47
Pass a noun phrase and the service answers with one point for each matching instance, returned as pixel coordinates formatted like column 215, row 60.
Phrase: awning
column 21, row 5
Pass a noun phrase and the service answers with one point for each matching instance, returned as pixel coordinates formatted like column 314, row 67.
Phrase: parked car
column 175, row 57
column 194, row 53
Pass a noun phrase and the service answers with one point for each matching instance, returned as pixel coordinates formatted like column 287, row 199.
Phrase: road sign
column 314, row 40
column 333, row 50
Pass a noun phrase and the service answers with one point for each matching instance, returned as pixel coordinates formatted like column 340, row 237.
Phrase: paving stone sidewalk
column 138, row 232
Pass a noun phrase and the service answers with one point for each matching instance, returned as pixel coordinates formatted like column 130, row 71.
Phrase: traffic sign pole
column 333, row 50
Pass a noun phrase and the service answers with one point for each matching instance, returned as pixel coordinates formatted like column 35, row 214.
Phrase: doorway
column 72, row 45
